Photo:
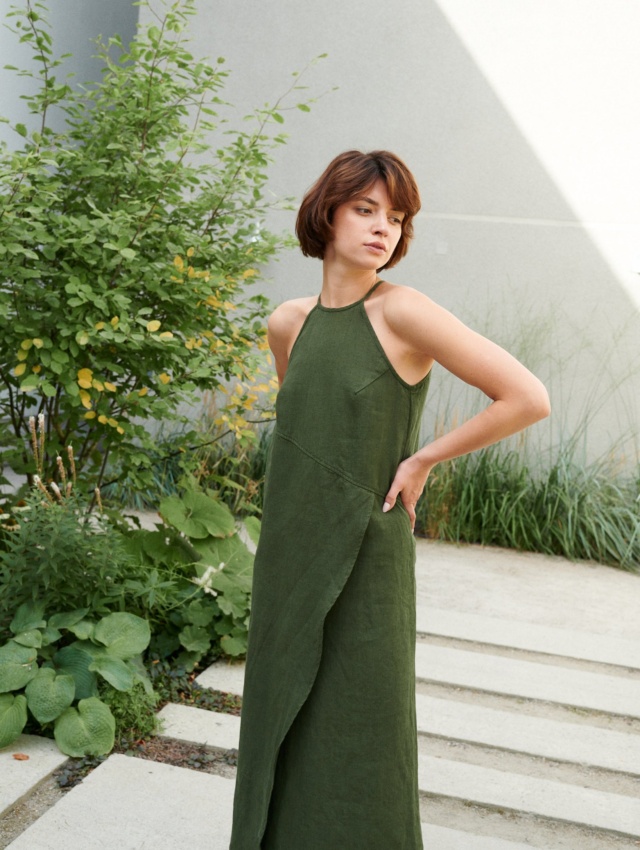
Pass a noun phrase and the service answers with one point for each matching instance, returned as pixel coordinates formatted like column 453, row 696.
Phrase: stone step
column 576, row 743
column 164, row 807
column 20, row 776
column 200, row 726
column 226, row 676
column 601, row 649
column 528, row 680
column 542, row 798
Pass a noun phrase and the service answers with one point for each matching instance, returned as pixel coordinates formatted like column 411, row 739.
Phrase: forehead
column 378, row 194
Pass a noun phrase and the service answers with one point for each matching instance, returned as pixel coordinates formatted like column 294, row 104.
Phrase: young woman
column 328, row 745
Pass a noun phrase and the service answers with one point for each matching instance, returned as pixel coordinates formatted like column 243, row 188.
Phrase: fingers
column 390, row 498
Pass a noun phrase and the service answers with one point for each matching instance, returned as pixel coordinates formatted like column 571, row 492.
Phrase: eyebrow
column 376, row 204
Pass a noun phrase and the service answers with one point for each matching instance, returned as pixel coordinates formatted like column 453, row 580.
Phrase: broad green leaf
column 49, row 694
column 70, row 618
column 13, row 717
column 233, row 645
column 17, row 666
column 252, row 524
column 124, row 635
column 32, row 638
column 115, row 671
column 88, row 730
column 76, row 662
column 200, row 612
column 197, row 515
column 83, row 629
column 195, row 638
column 30, row 615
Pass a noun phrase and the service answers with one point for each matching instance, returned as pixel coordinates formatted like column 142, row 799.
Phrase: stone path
column 528, row 705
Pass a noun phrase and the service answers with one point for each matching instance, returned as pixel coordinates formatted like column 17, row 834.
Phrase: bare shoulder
column 405, row 306
column 287, row 319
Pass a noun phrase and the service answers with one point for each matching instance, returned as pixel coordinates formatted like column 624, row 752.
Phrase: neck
column 340, row 288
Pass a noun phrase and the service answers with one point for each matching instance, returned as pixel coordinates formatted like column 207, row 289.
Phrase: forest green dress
column 328, row 741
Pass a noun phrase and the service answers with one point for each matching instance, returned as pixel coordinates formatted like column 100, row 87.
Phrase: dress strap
column 359, row 301
column 373, row 289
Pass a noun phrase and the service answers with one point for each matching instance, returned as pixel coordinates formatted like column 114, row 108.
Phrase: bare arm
column 518, row 398
column 283, row 328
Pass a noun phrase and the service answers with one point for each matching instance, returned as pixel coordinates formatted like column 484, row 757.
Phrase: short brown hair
column 346, row 177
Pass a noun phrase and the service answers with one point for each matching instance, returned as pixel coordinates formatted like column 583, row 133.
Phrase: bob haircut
column 346, row 177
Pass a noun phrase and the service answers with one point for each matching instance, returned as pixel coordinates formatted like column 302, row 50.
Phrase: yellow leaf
column 38, row 342
column 113, row 422
column 22, row 354
column 109, row 387
column 82, row 338
column 190, row 343
column 191, row 271
column 97, row 385
column 85, row 378
column 99, row 326
column 102, row 419
column 143, row 391
column 190, row 252
column 90, row 414
column 164, row 377
column 115, row 321
column 20, row 369
column 178, row 262
column 153, row 326
column 166, row 335
column 26, row 344
column 36, row 369
column 249, row 273
column 212, row 301
column 120, row 430
column 85, row 398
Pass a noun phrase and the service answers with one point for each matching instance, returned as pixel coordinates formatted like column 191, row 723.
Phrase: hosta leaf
column 17, row 666
column 49, row 694
column 32, row 638
column 198, row 515
column 124, row 635
column 83, row 629
column 13, row 717
column 29, row 616
column 115, row 671
column 76, row 663
column 70, row 618
column 88, row 730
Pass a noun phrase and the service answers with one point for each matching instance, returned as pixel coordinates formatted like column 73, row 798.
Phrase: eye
column 395, row 219
column 363, row 210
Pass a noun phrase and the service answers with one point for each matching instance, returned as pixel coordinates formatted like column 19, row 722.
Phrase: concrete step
column 167, row 807
column 542, row 798
column 576, row 743
column 601, row 649
column 529, row 680
column 226, row 676
column 130, row 803
column 200, row 726
column 18, row 777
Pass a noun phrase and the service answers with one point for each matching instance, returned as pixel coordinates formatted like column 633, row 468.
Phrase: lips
column 376, row 246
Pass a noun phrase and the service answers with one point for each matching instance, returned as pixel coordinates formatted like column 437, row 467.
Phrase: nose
column 380, row 224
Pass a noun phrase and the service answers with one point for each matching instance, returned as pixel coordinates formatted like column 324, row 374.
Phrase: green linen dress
column 328, row 741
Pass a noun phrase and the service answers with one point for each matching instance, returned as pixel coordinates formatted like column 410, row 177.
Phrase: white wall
column 520, row 121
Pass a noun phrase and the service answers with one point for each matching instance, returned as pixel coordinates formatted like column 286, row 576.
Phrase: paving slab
column 19, row 777
column 558, row 801
column 134, row 804
column 535, row 736
column 603, row 649
column 529, row 680
column 441, row 838
column 223, row 676
column 200, row 726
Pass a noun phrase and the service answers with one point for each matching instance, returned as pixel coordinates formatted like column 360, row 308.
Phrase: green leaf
column 124, row 635
column 13, row 717
column 76, row 663
column 198, row 515
column 88, row 730
column 28, row 616
column 17, row 666
column 68, row 619
column 195, row 639
column 128, row 253
column 233, row 645
column 253, row 525
column 21, row 130
column 49, row 694
column 32, row 638
column 83, row 629
column 115, row 671
column 200, row 612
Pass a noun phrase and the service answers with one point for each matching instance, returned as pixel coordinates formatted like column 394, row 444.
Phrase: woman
column 328, row 746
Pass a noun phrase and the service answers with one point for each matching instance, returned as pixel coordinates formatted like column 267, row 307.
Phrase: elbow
column 538, row 404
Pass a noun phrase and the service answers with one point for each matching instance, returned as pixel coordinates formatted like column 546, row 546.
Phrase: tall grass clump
column 552, row 489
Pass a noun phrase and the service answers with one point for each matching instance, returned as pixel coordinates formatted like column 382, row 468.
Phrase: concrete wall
column 74, row 26
column 520, row 122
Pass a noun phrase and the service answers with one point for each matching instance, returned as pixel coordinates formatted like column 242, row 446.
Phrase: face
column 366, row 230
